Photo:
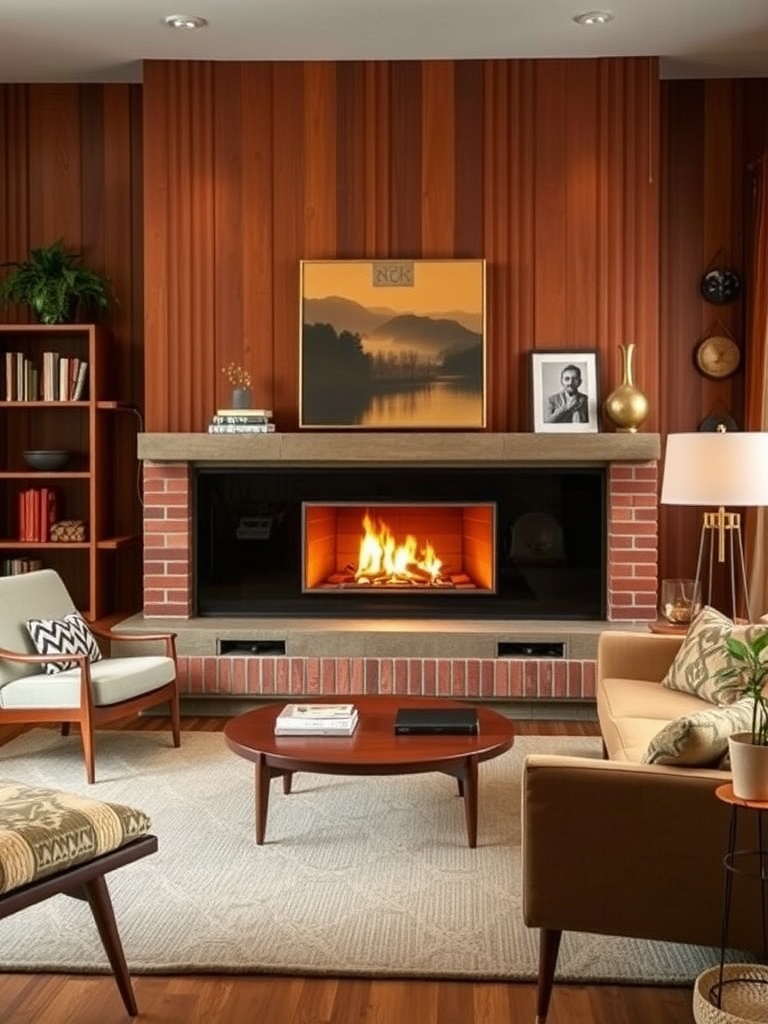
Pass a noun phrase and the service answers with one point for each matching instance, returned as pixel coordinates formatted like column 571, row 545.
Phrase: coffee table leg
column 263, row 777
column 470, row 800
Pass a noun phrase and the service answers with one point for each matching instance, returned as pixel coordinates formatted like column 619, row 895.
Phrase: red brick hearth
column 168, row 595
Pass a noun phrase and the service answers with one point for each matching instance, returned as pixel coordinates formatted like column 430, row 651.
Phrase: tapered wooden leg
column 176, row 721
column 263, row 778
column 549, row 947
column 104, row 916
column 89, row 753
column 469, row 786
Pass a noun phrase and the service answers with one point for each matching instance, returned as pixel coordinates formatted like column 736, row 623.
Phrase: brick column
column 168, row 539
column 633, row 541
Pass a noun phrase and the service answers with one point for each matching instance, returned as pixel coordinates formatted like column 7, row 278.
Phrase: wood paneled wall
column 711, row 132
column 547, row 168
column 70, row 168
column 596, row 195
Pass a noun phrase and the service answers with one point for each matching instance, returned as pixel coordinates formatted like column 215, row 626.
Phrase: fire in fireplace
column 512, row 542
column 397, row 548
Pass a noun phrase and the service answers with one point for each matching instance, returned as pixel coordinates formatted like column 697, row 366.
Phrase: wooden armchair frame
column 89, row 715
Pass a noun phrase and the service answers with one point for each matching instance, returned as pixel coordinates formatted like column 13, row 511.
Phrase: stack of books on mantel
column 242, row 421
column 316, row 720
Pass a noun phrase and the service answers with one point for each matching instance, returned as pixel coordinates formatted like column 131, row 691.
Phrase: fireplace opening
column 530, row 542
column 398, row 549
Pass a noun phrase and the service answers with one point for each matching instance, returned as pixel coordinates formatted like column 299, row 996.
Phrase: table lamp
column 720, row 470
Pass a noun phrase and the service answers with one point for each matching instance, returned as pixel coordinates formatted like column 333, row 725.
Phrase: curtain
column 757, row 384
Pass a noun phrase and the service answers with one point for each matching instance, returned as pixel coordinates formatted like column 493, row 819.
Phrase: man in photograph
column 569, row 405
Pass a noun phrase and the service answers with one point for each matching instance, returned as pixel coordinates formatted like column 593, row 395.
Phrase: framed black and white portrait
column 565, row 392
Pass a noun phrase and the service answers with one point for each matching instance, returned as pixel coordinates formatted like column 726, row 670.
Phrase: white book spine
column 241, row 428
column 318, row 710
column 316, row 723
column 291, row 731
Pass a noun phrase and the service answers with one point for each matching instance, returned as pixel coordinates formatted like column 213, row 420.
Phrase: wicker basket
column 744, row 998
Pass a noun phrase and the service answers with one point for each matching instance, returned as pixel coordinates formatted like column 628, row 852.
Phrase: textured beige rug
column 358, row 876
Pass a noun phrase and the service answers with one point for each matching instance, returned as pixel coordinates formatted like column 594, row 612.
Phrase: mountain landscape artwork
column 393, row 344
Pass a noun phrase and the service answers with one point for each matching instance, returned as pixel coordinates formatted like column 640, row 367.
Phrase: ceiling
column 106, row 40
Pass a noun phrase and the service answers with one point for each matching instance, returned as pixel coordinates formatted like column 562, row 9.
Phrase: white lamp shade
column 713, row 469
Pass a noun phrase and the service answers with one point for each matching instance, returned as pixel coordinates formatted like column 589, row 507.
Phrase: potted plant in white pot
column 746, row 678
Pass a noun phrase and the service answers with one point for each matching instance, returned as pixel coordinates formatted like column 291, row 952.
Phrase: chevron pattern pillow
column 700, row 738
column 703, row 653
column 69, row 635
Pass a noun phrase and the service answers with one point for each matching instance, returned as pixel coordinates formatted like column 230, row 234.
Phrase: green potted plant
column 53, row 283
column 745, row 679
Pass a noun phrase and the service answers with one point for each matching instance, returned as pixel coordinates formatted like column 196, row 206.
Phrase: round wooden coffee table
column 373, row 749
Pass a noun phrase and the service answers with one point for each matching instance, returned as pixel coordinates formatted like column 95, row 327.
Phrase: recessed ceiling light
column 185, row 21
column 593, row 18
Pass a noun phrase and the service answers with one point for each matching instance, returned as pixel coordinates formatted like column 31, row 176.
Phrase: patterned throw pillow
column 700, row 738
column 69, row 635
column 703, row 653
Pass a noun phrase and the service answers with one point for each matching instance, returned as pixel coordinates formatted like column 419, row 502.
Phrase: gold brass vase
column 627, row 406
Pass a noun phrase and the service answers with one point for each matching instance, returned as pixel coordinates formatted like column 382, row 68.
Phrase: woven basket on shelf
column 744, row 999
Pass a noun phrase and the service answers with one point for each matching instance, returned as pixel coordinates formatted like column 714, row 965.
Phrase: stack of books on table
column 316, row 720
column 242, row 421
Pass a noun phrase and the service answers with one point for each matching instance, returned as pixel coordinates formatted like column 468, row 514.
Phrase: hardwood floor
column 247, row 999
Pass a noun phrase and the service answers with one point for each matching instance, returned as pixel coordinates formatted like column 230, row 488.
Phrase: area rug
column 358, row 876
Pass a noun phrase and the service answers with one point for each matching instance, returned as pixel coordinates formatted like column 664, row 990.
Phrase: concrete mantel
column 403, row 449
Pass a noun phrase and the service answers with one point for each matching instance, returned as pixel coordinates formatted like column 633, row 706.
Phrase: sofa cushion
column 703, row 654
column 68, row 635
column 632, row 711
column 700, row 738
column 44, row 831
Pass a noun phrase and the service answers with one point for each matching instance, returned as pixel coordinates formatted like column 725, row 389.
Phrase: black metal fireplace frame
column 240, row 580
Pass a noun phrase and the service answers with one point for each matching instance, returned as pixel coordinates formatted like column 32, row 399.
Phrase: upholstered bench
column 57, row 842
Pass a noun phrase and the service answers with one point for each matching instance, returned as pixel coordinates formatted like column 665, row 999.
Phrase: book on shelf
column 78, row 386
column 239, row 413
column 19, row 565
column 58, row 378
column 241, row 428
column 21, row 383
column 38, row 511
column 316, row 726
column 238, row 420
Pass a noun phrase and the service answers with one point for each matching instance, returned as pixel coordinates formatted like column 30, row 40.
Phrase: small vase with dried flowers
column 241, row 381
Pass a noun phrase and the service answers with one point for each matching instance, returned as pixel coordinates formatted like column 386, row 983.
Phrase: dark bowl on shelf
column 46, row 458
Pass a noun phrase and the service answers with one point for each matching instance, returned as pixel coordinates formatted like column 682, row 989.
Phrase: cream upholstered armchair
column 52, row 669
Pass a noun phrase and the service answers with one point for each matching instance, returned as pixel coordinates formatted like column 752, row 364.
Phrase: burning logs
column 414, row 577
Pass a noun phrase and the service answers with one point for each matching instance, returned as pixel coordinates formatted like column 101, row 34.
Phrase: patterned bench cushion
column 45, row 831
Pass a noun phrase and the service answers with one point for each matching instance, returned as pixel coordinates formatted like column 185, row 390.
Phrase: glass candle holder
column 680, row 600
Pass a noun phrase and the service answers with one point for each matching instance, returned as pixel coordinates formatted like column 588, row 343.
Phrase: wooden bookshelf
column 91, row 487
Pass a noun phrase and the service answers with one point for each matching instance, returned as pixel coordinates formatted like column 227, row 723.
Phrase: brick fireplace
column 473, row 657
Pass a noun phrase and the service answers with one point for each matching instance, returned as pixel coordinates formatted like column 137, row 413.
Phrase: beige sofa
column 618, row 847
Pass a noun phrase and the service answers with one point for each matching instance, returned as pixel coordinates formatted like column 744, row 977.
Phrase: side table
column 666, row 628
column 746, row 984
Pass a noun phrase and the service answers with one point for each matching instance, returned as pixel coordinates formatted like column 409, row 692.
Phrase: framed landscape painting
column 392, row 344
column 565, row 392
